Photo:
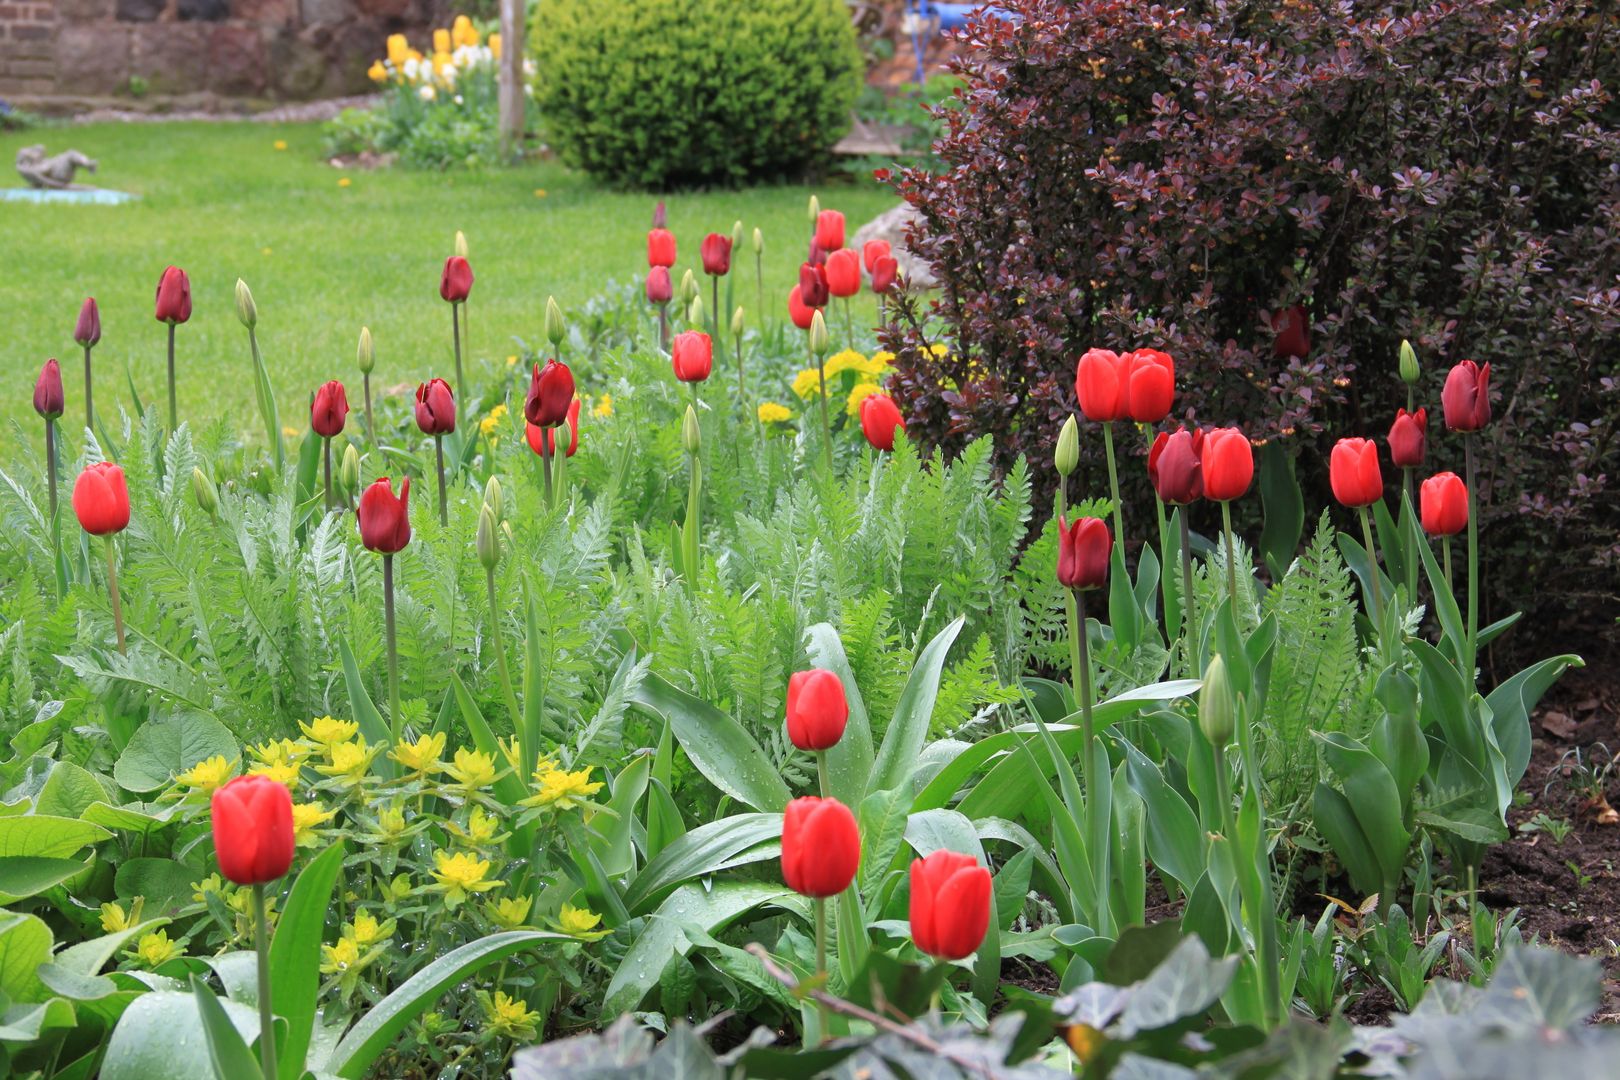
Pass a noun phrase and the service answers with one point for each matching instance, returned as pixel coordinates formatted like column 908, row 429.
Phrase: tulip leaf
column 706, row 850
column 849, row 760
column 295, row 956
column 365, row 712
column 1175, row 840
column 717, row 745
column 1337, row 821
column 162, row 1036
column 1284, row 509
column 1510, row 705
column 897, row 757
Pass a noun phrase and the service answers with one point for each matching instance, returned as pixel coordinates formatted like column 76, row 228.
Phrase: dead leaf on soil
column 1559, row 724
column 1599, row 811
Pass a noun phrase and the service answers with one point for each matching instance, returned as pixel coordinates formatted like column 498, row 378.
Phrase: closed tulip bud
column 1099, row 384
column 1217, row 711
column 1408, row 438
column 661, row 248
column 1175, row 466
column 1409, row 363
column 203, row 490
column 694, row 311
column 435, row 408
column 759, row 242
column 950, row 904
column 844, row 273
column 659, row 288
column 495, row 497
column 1466, row 396
column 821, row 846
column 813, row 289
column 253, row 829
column 736, row 234
column 881, row 421
column 817, row 709
column 1084, row 548
column 1150, row 385
column 173, row 303
column 101, row 499
column 349, row 469
column 1353, row 471
column 329, row 410
column 556, row 329
column 49, row 398
column 461, row 243
column 815, row 210
column 716, row 254
column 456, row 281
column 884, row 274
column 487, row 542
column 364, row 353
column 689, row 287
column 691, row 433
column 87, row 331
column 550, row 392
column 692, row 355
column 1227, row 461
column 246, row 311
column 1067, row 456
column 660, row 215
column 737, row 322
column 1444, row 504
column 798, row 310
column 819, row 343
column 385, row 521
column 830, row 230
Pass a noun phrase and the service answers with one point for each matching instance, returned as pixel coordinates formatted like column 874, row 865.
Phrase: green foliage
column 700, row 92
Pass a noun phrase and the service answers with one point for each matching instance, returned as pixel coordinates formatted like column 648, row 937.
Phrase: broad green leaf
column 717, row 745
column 135, row 817
column 26, row 1023
column 162, row 748
column 1185, row 985
column 25, row 943
column 706, row 850
column 1511, row 703
column 372, row 725
column 883, row 817
column 295, row 955
column 1371, row 791
column 226, row 1047
column 1337, row 821
column 612, row 842
column 849, row 761
column 69, row 791
column 22, row 876
column 161, row 1037
column 47, row 837
column 909, row 729
column 166, row 884
column 89, row 957
column 1284, row 506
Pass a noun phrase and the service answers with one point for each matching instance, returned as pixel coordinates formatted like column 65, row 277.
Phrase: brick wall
column 61, row 51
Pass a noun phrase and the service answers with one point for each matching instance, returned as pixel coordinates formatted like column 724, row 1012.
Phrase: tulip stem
column 821, row 774
column 173, row 413
column 112, row 589
column 1080, row 656
column 1413, row 532
column 663, row 327
column 759, row 283
column 371, row 430
column 691, row 543
column 1471, row 652
column 1113, row 488
column 1445, row 550
column 438, row 459
column 1189, row 614
column 394, row 719
column 826, row 423
column 849, row 322
column 89, row 404
column 714, row 316
column 742, row 396
column 455, row 334
column 821, row 964
column 326, row 467
column 545, row 466
column 50, row 461
column 267, row 1014
column 1373, row 589
column 1231, row 558
column 499, row 646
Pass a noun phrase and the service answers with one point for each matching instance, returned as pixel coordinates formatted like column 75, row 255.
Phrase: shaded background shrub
column 703, row 91
column 1122, row 175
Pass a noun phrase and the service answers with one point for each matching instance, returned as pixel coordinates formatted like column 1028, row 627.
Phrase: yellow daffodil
column 580, row 923
column 325, row 731
column 209, row 884
column 561, row 789
column 349, row 761
column 509, row 912
column 508, row 1017
column 459, row 875
column 772, row 413
column 340, row 956
column 858, row 394
column 367, row 930
column 203, row 777
column 307, row 817
column 156, row 948
column 472, row 770
column 603, row 407
column 422, row 756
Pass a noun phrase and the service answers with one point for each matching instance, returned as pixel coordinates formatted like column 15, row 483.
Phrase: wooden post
column 511, row 73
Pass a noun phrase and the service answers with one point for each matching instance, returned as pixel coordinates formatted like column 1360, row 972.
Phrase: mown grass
column 323, row 259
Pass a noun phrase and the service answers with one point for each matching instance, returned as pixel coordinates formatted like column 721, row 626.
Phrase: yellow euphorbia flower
column 560, row 789
column 281, row 772
column 209, row 884
column 326, row 731
column 603, row 407
column 203, row 777
column 580, row 923
column 509, row 913
column 349, row 761
column 390, row 821
column 307, row 817
column 481, row 828
column 491, row 423
column 472, row 770
column 277, row 751
column 508, row 1017
column 772, row 413
column 339, row 956
column 422, row 756
column 114, row 920
column 366, row 930
column 156, row 948
column 460, row 875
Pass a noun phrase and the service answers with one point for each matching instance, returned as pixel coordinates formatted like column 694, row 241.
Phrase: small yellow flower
column 481, row 828
column 156, row 948
column 344, row 181
column 281, row 144
column 561, row 789
column 495, row 46
column 340, row 956
column 203, row 777
column 391, row 821
column 377, row 72
column 307, row 817
column 209, row 884
column 326, row 731
column 459, row 875
column 398, row 889
column 366, row 930
column 264, row 251
column 508, row 1017
column 277, row 751
column 350, row 760
column 491, row 423
column 539, row 192
column 858, row 394
column 510, row 751
column 772, row 413
column 807, row 383
column 847, row 360
column 441, row 41
column 422, row 756
column 511, row 361
column 281, row 772
column 603, row 408
column 580, row 923
column 472, row 770
column 509, row 913
column 114, row 920
column 939, row 350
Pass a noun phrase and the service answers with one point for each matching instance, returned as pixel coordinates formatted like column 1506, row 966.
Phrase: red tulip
column 1353, row 469
column 813, row 285
column 1444, row 504
column 253, row 829
column 692, row 354
column 844, row 272
column 1293, row 329
column 550, row 391
column 435, row 407
column 1099, row 383
column 547, row 437
column 49, row 400
column 821, row 847
column 87, row 331
column 716, row 253
column 329, row 410
column 1175, row 467
column 1467, row 397
column 816, row 709
column 950, row 904
column 660, row 216
column 101, row 499
column 1228, row 464
column 457, row 279
column 385, row 521
column 798, row 310
column 1408, row 438
column 881, row 420
column 830, row 230
column 1083, row 551
column 660, row 290
column 661, row 248
column 1151, row 385
column 885, row 273
column 173, row 296
column 872, row 252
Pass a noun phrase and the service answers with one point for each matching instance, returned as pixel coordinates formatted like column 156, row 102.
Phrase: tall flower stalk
column 818, row 352
column 366, row 356
column 385, row 528
column 87, row 332
column 173, row 307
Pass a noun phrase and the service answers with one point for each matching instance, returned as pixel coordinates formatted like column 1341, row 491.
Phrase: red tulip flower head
column 881, row 421
column 101, row 499
column 873, row 251
column 830, row 230
column 173, row 304
column 547, row 437
column 817, row 710
column 1353, row 469
column 813, row 289
column 1228, row 464
column 800, row 312
column 692, row 354
column 329, row 410
column 1150, row 385
column 456, row 282
column 435, row 407
column 1408, row 438
column 253, row 829
column 661, row 248
column 1175, row 466
column 1293, row 329
column 385, row 521
column 821, row 847
column 950, row 904
column 1084, row 548
column 87, row 331
column 1467, row 397
column 49, row 399
column 716, row 253
column 885, row 273
column 660, row 290
column 550, row 392
column 1444, row 504
column 844, row 272
column 1099, row 383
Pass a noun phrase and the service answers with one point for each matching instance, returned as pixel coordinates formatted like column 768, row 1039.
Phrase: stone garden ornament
column 55, row 172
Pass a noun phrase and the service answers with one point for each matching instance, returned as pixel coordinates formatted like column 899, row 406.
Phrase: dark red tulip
column 660, row 290
column 872, row 251
column 1293, row 329
column 821, row 846
column 329, row 410
column 798, row 310
column 692, row 354
column 716, row 254
column 1408, row 438
column 885, row 273
column 1467, row 397
column 87, row 331
column 1227, row 461
column 817, row 710
column 1443, row 500
column 881, row 421
column 101, row 499
column 813, row 290
column 547, row 437
column 435, row 407
column 660, row 216
column 1175, row 466
column 1150, row 384
column 253, row 829
column 1099, row 383
column 950, row 904
column 550, row 391
column 385, row 521
column 843, row 273
column 456, row 282
column 49, row 400
column 1084, row 548
column 173, row 296
column 661, row 248
column 830, row 230
column 1353, row 470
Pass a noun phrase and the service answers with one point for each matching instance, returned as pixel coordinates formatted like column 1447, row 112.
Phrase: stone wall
column 59, row 52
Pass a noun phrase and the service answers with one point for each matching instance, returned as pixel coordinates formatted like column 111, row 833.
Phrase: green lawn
column 324, row 259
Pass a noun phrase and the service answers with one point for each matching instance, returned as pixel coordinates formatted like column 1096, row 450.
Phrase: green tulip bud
column 1409, row 363
column 494, row 497
column 818, row 334
column 689, row 287
column 1067, row 457
column 815, row 209
column 694, row 311
column 736, row 234
column 555, row 328
column 245, row 309
column 203, row 489
column 759, row 242
column 737, row 322
column 1216, row 709
column 349, row 469
column 691, row 436
column 365, row 354
column 461, row 243
column 488, row 540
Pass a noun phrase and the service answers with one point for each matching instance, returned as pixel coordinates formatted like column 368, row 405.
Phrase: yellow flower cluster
column 868, row 371
column 491, row 423
column 772, row 413
column 560, row 789
column 202, row 778
column 456, row 52
column 509, row 1017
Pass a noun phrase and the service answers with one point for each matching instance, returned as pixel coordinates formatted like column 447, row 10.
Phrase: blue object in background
column 947, row 16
